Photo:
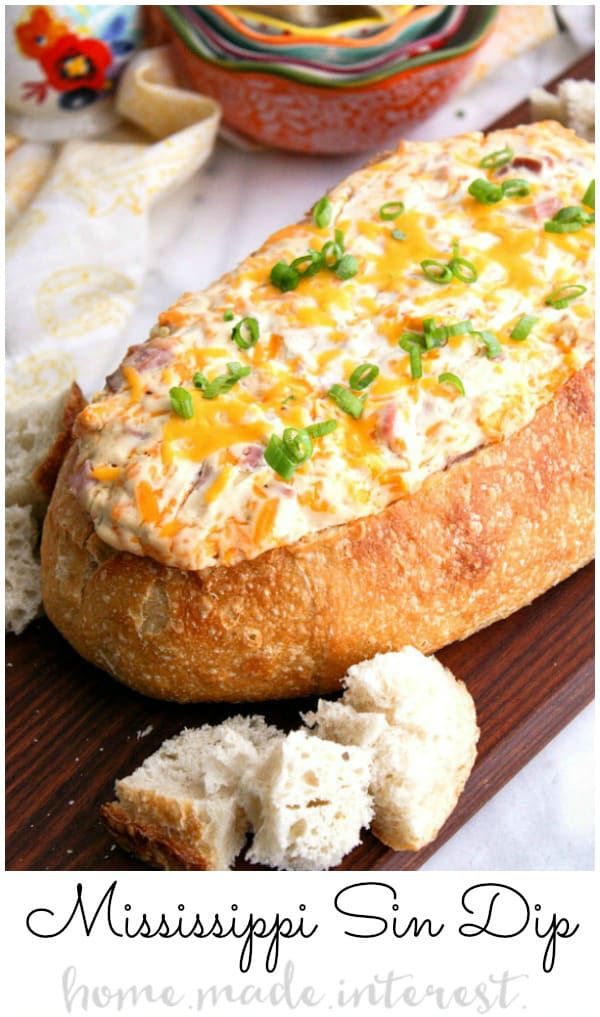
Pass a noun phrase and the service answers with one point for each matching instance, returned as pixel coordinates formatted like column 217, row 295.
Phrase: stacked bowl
column 299, row 78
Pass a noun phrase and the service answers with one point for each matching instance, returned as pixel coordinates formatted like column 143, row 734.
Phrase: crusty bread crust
column 476, row 542
column 46, row 473
column 150, row 843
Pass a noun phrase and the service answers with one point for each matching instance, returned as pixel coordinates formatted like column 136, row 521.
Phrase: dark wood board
column 71, row 729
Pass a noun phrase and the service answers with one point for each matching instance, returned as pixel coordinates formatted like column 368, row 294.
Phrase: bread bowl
column 177, row 558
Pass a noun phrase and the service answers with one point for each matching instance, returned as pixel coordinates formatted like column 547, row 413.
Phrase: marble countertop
column 543, row 819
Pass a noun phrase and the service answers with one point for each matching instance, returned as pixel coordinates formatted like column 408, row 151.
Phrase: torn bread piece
column 310, row 802
column 573, row 106
column 37, row 437
column 182, row 809
column 421, row 726
column 23, row 598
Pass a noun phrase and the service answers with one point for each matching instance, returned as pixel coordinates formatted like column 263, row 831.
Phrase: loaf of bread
column 23, row 598
column 378, row 430
column 421, row 726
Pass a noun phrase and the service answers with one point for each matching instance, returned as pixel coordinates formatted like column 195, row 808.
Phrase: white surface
column 543, row 818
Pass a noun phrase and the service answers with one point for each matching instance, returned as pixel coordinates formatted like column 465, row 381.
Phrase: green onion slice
column 409, row 339
column 463, row 270
column 284, row 277
column 391, row 210
column 589, row 198
column 564, row 295
column 363, row 376
column 523, row 327
column 515, row 188
column 416, row 363
column 278, row 459
column 447, row 378
column 398, row 235
column 485, row 192
column 562, row 227
column 245, row 334
column 571, row 213
column 321, row 428
column 297, row 444
column 308, row 264
column 436, row 271
column 322, row 213
column 346, row 267
column 497, row 159
column 493, row 348
column 200, row 380
column 181, row 402
column 224, row 382
column 339, row 238
column 228, row 316
column 346, row 400
column 331, row 253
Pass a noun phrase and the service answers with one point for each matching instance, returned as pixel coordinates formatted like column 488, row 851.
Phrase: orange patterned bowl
column 317, row 119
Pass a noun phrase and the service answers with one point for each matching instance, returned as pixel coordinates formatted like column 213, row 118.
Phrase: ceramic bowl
column 295, row 115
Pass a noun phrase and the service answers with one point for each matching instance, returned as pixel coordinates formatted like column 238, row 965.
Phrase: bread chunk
column 182, row 809
column 22, row 569
column 311, row 802
column 421, row 726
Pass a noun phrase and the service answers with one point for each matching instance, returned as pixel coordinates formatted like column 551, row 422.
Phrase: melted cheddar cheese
column 198, row 492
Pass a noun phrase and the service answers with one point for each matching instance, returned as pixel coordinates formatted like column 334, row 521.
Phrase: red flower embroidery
column 39, row 31
column 73, row 63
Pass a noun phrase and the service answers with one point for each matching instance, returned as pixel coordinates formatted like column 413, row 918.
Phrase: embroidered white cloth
column 77, row 221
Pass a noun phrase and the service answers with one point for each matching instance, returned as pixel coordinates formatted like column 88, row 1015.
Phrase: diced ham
column 526, row 162
column 80, row 478
column 251, row 456
column 150, row 355
column 115, row 381
column 545, row 208
column 385, row 424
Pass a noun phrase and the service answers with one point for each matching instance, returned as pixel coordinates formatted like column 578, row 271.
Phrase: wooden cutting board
column 71, row 729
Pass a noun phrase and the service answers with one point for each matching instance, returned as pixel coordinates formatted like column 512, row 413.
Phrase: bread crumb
column 146, row 731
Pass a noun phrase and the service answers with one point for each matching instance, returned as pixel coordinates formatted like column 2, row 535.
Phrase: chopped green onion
column 436, row 271
column 398, row 235
column 284, row 277
column 339, row 238
column 416, row 364
column 181, row 402
column 563, row 295
column 200, row 380
column 346, row 400
column 363, row 376
column 224, row 382
column 447, row 378
column 493, row 348
column 391, row 210
column 228, row 316
column 589, row 198
column 515, row 188
column 308, row 264
column 409, row 339
column 485, row 192
column 331, row 253
column 463, row 270
column 278, row 459
column 346, row 267
column 321, row 428
column 245, row 334
column 571, row 213
column 297, row 445
column 497, row 159
column 322, row 213
column 562, row 227
column 523, row 327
